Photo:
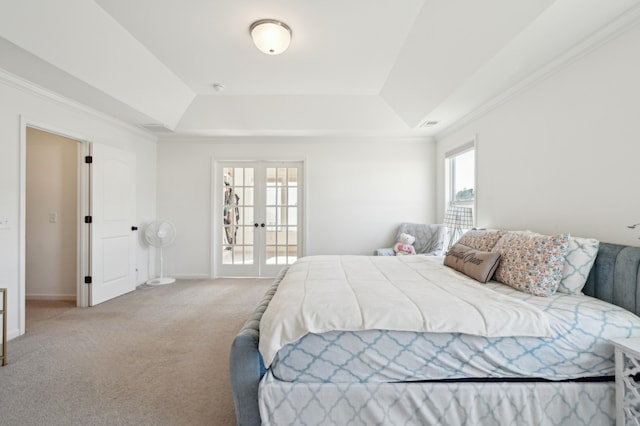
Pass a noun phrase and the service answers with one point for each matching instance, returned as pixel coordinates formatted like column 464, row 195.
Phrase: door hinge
column 88, row 159
column 87, row 279
column 88, row 219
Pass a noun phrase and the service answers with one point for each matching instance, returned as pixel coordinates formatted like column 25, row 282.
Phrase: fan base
column 161, row 281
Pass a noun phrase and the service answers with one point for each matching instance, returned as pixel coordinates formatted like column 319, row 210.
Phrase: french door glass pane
column 238, row 214
column 281, row 215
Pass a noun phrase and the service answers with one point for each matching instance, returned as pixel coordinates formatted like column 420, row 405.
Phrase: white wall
column 20, row 99
column 52, row 188
column 357, row 191
column 563, row 155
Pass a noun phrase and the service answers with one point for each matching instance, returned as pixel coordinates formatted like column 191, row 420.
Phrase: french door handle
column 262, row 225
column 255, row 224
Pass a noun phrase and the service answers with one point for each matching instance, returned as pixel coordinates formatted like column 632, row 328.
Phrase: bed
column 439, row 376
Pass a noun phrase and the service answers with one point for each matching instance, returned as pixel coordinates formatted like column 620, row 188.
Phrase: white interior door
column 113, row 213
column 260, row 222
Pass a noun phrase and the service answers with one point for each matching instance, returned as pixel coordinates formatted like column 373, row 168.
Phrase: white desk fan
column 159, row 234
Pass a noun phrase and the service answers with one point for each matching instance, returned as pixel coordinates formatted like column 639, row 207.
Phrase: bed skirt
column 437, row 403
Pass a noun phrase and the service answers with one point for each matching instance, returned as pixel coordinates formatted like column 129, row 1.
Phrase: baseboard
column 12, row 334
column 53, row 297
column 191, row 277
column 185, row 277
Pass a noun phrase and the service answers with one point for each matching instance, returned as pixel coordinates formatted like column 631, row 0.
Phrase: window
column 461, row 175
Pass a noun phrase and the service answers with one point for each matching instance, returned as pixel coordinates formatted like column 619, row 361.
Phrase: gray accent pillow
column 479, row 265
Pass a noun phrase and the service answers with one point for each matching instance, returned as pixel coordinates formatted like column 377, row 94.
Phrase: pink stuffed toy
column 404, row 246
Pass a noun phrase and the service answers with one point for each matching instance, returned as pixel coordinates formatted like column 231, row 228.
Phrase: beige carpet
column 156, row 356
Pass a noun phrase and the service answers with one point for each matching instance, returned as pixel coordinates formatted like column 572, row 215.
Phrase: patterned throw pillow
column 481, row 239
column 578, row 262
column 531, row 263
column 479, row 265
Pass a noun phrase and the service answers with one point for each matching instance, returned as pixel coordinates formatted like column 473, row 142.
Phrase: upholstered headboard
column 614, row 277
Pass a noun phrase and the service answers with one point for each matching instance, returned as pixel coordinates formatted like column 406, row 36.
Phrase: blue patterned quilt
column 583, row 326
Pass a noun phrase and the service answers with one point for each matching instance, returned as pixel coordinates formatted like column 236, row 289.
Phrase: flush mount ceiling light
column 270, row 36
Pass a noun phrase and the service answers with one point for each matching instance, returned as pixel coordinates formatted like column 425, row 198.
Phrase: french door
column 258, row 217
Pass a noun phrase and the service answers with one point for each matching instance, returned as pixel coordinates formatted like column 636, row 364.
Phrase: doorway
column 258, row 217
column 105, row 221
column 51, row 217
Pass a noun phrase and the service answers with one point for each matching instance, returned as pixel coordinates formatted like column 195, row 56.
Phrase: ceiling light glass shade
column 270, row 36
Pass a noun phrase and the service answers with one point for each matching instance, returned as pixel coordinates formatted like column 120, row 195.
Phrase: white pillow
column 577, row 264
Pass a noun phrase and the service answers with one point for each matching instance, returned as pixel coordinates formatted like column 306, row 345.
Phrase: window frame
column 449, row 157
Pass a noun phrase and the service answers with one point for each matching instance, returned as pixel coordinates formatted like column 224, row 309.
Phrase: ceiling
column 355, row 67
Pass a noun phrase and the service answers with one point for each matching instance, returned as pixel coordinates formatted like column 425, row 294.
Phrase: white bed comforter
column 411, row 293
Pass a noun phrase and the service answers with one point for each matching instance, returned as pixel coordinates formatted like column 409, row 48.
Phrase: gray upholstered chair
column 429, row 239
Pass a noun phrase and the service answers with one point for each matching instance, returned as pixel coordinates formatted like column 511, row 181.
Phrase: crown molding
column 31, row 88
column 297, row 137
column 609, row 32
